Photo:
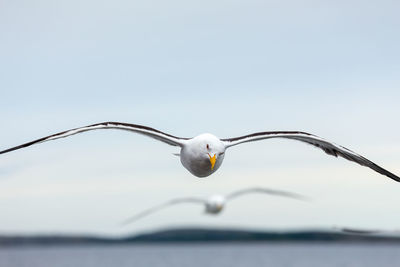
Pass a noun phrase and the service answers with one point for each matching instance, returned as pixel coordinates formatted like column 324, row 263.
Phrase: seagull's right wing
column 265, row 191
column 162, row 206
column 156, row 134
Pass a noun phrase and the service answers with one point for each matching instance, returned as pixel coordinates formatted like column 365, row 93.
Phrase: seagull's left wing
column 329, row 147
column 265, row 191
column 156, row 134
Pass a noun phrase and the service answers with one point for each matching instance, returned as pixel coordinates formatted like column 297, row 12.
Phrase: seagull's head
column 215, row 204
column 203, row 154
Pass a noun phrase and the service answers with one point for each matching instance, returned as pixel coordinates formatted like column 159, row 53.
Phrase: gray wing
column 162, row 206
column 329, row 147
column 265, row 191
column 153, row 133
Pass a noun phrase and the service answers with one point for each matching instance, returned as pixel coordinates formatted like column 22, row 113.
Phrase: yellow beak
column 212, row 160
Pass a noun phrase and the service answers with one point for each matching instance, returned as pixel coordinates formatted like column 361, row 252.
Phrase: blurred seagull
column 215, row 203
column 358, row 231
column 203, row 155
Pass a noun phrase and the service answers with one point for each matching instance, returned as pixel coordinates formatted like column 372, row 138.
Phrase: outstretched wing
column 156, row 134
column 162, row 206
column 265, row 191
column 329, row 147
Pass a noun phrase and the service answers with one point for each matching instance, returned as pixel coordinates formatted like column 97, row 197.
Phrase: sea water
column 204, row 254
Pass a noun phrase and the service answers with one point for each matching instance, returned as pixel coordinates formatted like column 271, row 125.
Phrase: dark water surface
column 223, row 254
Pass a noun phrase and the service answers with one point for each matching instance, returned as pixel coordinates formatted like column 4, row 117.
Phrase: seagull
column 358, row 231
column 203, row 155
column 215, row 203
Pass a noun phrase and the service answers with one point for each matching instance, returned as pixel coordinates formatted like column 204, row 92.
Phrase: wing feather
column 328, row 147
column 153, row 133
column 160, row 207
column 265, row 191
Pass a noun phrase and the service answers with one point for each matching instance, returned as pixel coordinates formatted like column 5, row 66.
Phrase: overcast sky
column 331, row 68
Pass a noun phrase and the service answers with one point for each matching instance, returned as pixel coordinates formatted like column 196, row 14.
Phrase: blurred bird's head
column 215, row 204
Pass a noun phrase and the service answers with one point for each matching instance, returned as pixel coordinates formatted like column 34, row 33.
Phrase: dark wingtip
column 389, row 174
column 17, row 147
column 395, row 178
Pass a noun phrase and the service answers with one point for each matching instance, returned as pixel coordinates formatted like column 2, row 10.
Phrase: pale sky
column 331, row 68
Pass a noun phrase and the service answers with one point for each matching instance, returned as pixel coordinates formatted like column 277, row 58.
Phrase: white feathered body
column 215, row 204
column 196, row 152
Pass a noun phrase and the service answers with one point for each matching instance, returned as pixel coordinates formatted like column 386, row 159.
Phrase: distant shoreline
column 199, row 235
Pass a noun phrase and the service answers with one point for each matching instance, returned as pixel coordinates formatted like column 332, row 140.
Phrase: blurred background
column 230, row 68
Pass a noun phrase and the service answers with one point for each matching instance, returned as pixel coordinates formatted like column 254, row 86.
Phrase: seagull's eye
column 208, row 147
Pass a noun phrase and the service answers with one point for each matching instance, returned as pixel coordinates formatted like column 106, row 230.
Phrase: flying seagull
column 358, row 231
column 215, row 203
column 203, row 155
